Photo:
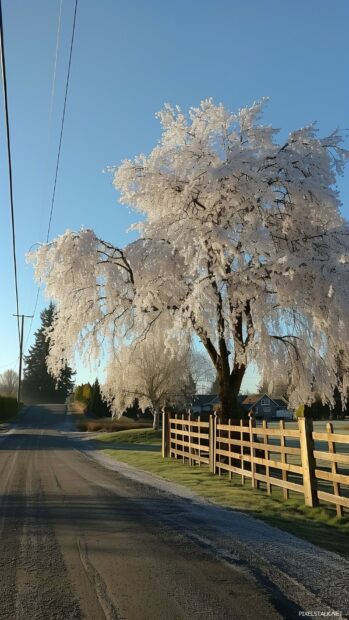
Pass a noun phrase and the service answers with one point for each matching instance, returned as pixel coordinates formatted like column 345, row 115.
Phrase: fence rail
column 187, row 439
column 328, row 462
column 297, row 460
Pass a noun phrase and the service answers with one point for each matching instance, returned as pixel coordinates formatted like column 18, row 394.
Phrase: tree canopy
column 150, row 372
column 242, row 242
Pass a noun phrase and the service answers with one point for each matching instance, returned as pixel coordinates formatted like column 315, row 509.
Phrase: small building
column 203, row 403
column 264, row 406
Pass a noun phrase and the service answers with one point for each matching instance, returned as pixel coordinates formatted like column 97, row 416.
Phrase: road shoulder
column 310, row 576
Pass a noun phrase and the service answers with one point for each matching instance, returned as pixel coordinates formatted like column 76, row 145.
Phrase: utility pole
column 23, row 316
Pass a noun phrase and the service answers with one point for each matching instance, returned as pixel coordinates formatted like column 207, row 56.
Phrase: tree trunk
column 156, row 419
column 229, row 381
column 229, row 386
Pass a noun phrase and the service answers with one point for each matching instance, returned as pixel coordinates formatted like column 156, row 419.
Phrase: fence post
column 165, row 433
column 176, row 436
column 285, row 492
column 242, row 451
column 334, row 469
column 253, row 470
column 266, row 456
column 199, row 440
column 308, row 462
column 212, row 444
column 229, row 449
column 189, row 439
column 183, row 440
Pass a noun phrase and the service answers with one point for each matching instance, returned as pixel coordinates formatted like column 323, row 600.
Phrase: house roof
column 253, row 399
column 282, row 402
column 203, row 400
column 247, row 400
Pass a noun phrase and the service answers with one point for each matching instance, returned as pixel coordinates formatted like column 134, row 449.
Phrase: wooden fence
column 187, row 439
column 330, row 465
column 295, row 459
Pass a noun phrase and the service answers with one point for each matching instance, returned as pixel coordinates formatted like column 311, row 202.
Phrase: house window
column 265, row 401
column 266, row 409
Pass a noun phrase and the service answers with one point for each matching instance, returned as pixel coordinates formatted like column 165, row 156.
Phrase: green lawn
column 141, row 448
column 145, row 436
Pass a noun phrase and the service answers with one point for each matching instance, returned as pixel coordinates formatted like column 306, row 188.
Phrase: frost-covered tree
column 202, row 371
column 9, row 383
column 242, row 242
column 151, row 372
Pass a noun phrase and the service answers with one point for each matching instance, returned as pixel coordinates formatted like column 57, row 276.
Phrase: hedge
column 8, row 407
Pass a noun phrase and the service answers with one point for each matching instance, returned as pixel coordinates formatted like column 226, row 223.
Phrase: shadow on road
column 47, row 427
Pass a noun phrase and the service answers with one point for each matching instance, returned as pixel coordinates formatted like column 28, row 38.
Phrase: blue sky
column 129, row 58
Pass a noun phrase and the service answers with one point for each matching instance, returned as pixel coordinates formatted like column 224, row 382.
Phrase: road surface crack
column 98, row 582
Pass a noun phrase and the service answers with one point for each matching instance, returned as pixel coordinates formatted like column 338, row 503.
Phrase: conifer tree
column 133, row 411
column 99, row 407
column 38, row 383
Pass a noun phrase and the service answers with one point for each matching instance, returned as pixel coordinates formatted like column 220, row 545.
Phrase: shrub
column 8, row 407
column 77, row 406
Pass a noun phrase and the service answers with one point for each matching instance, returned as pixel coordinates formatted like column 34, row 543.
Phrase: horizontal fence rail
column 189, row 439
column 332, row 466
column 298, row 460
column 260, row 454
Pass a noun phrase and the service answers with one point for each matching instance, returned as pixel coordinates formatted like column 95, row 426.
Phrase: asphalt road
column 81, row 541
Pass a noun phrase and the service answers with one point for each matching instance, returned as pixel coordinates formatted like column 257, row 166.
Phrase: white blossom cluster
column 242, row 243
column 150, row 372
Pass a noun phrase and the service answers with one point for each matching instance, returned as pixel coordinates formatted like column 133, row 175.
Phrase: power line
column 10, row 365
column 23, row 316
column 4, row 83
column 53, row 89
column 32, row 317
column 62, row 123
column 61, row 135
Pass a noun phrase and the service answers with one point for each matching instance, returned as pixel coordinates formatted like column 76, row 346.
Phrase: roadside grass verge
column 319, row 525
column 146, row 436
column 86, row 424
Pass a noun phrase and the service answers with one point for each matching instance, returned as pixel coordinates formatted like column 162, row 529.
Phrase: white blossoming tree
column 155, row 374
column 241, row 242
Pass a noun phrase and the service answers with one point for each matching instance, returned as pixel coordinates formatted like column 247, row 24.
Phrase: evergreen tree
column 98, row 406
column 133, row 411
column 78, row 392
column 38, row 384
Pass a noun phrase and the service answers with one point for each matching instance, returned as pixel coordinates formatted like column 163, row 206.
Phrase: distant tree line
column 91, row 396
column 96, row 405
column 318, row 411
